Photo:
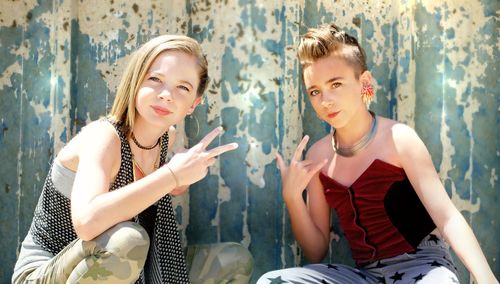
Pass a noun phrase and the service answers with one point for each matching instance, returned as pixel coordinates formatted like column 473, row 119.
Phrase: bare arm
column 310, row 224
column 418, row 165
column 94, row 209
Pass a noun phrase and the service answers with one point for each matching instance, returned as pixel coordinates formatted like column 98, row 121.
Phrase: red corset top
column 380, row 213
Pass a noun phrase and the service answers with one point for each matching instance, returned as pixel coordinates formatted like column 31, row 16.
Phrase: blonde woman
column 105, row 212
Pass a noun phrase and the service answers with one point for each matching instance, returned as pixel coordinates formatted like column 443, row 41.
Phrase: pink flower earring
column 367, row 93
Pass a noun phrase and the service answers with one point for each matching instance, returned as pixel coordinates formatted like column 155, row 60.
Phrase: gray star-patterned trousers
column 430, row 263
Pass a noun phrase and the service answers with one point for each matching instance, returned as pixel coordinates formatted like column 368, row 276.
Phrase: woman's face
column 168, row 92
column 333, row 90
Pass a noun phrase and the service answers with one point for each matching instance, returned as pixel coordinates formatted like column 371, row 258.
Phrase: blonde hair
column 327, row 39
column 123, row 109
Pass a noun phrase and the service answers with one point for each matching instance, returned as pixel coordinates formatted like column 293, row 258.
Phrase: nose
column 327, row 99
column 165, row 94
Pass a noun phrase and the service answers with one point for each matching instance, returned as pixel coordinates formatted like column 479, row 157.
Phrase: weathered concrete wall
column 435, row 65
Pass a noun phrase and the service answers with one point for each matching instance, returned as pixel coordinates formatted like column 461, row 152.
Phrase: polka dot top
column 52, row 228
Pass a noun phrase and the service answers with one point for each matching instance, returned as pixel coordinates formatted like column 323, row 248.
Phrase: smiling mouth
column 161, row 111
column 333, row 114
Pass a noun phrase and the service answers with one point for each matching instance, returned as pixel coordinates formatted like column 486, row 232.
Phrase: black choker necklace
column 144, row 147
column 358, row 146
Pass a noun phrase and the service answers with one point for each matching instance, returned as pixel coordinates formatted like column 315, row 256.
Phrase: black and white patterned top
column 53, row 230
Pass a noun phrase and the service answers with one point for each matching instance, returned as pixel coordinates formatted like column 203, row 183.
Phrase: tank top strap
column 125, row 173
column 164, row 148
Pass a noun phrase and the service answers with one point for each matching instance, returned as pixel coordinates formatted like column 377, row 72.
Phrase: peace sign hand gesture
column 297, row 176
column 192, row 165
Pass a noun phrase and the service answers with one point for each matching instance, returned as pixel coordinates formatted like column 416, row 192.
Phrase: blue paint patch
column 259, row 19
column 267, row 147
column 490, row 9
column 231, row 67
column 231, row 42
column 252, row 16
column 395, row 36
column 89, row 92
column 244, row 17
column 450, row 33
column 428, row 80
column 315, row 16
column 10, row 41
column 256, row 59
column 3, row 129
column 235, row 177
column 205, row 33
column 63, row 137
column 404, row 63
column 59, row 102
column 367, row 28
column 273, row 46
column 393, row 84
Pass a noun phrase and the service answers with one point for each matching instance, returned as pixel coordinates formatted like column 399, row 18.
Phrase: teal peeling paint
column 436, row 101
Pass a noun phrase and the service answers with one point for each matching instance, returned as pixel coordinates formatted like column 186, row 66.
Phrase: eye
column 336, row 84
column 184, row 88
column 154, row 79
column 314, row 93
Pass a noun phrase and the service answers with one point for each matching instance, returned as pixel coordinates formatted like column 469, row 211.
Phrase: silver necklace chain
column 358, row 146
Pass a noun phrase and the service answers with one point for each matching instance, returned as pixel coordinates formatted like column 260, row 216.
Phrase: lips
column 333, row 114
column 161, row 111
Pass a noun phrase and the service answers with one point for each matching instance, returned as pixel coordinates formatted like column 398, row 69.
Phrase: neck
column 355, row 130
column 146, row 134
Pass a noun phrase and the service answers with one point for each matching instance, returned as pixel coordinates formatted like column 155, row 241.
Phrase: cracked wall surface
column 434, row 62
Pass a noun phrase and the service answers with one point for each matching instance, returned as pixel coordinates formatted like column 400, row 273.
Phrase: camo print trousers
column 118, row 256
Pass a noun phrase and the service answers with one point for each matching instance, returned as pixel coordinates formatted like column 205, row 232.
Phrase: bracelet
column 175, row 178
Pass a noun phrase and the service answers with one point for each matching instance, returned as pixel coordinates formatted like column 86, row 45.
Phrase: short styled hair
column 327, row 39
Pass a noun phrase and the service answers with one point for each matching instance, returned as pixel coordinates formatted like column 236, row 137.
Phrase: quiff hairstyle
column 123, row 109
column 327, row 39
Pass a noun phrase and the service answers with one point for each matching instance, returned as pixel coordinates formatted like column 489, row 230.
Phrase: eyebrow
column 162, row 75
column 327, row 82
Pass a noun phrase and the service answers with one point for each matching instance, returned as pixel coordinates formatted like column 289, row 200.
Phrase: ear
column 365, row 78
column 196, row 102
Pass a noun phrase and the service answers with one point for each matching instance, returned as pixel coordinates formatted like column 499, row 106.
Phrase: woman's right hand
column 297, row 176
column 192, row 165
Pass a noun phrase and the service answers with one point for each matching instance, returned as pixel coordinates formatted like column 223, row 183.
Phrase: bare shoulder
column 404, row 138
column 404, row 135
column 98, row 138
column 321, row 149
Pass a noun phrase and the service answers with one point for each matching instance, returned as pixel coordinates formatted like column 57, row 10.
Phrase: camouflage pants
column 219, row 263
column 118, row 256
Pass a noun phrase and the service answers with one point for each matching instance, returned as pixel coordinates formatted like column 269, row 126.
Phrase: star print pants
column 431, row 263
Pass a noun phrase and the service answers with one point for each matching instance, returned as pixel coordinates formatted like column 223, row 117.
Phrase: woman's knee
column 222, row 261
column 127, row 240
column 235, row 252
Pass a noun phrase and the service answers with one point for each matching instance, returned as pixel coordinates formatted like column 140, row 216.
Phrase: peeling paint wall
column 435, row 65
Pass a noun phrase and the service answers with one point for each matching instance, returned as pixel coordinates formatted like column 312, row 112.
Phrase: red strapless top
column 380, row 213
